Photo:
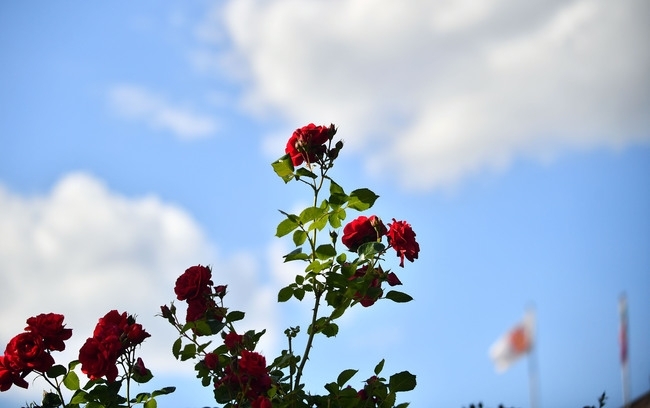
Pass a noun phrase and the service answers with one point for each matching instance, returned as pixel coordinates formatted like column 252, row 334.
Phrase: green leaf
column 330, row 329
column 362, row 199
column 310, row 214
column 79, row 397
column 303, row 172
column 334, row 219
column 299, row 237
column 283, row 167
column 389, row 401
column 325, row 251
column 56, row 371
column 402, row 405
column 398, row 297
column 71, row 381
column 234, row 316
column 286, row 226
column 296, row 254
column 51, row 400
column 403, row 381
column 151, row 404
column 333, row 388
column 94, row 404
column 299, row 293
column 335, row 188
column 163, row 391
column 345, row 376
column 369, row 250
column 285, row 293
column 319, row 223
column 379, row 367
column 189, row 351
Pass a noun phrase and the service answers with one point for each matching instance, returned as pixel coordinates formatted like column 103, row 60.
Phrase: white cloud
column 136, row 103
column 82, row 250
column 433, row 91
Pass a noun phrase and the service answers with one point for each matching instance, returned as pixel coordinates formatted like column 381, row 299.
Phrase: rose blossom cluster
column 307, row 144
column 30, row 350
column 115, row 334
column 245, row 375
column 239, row 374
column 196, row 288
column 364, row 230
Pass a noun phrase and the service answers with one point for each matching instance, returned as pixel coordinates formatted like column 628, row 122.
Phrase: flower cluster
column 115, row 334
column 365, row 230
column 30, row 351
column 400, row 236
column 195, row 287
column 307, row 144
column 238, row 373
column 245, row 377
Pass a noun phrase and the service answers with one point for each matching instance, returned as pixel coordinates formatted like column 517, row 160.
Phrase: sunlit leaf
column 283, row 167
column 362, row 199
column 303, row 172
column 71, row 381
column 325, row 251
column 286, row 226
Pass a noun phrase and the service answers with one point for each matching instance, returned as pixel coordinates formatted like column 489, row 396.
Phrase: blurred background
column 136, row 140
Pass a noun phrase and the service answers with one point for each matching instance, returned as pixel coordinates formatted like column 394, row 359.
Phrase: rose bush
column 333, row 280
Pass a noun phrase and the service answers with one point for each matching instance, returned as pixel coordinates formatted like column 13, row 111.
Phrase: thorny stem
column 312, row 332
column 318, row 292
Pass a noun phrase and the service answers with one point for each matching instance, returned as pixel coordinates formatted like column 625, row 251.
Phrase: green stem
column 56, row 385
column 310, row 339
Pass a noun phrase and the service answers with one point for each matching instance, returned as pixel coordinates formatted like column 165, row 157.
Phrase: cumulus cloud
column 137, row 103
column 433, row 91
column 82, row 250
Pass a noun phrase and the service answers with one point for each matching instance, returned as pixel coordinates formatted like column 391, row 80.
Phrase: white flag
column 514, row 344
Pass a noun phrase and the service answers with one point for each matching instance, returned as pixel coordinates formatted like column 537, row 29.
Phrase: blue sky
column 136, row 140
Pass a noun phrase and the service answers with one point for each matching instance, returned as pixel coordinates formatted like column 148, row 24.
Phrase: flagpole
column 533, row 374
column 623, row 340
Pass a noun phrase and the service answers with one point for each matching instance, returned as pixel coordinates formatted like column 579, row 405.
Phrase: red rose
column 98, row 358
column 9, row 377
column 402, row 238
column 252, row 372
column 140, row 368
column 373, row 292
column 233, row 340
column 361, row 230
column 196, row 308
column 136, row 334
column 220, row 290
column 393, row 280
column 112, row 324
column 193, row 283
column 261, row 402
column 50, row 327
column 308, row 143
column 252, row 364
column 26, row 351
column 211, row 361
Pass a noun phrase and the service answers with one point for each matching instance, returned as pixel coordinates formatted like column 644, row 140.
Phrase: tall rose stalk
column 335, row 278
